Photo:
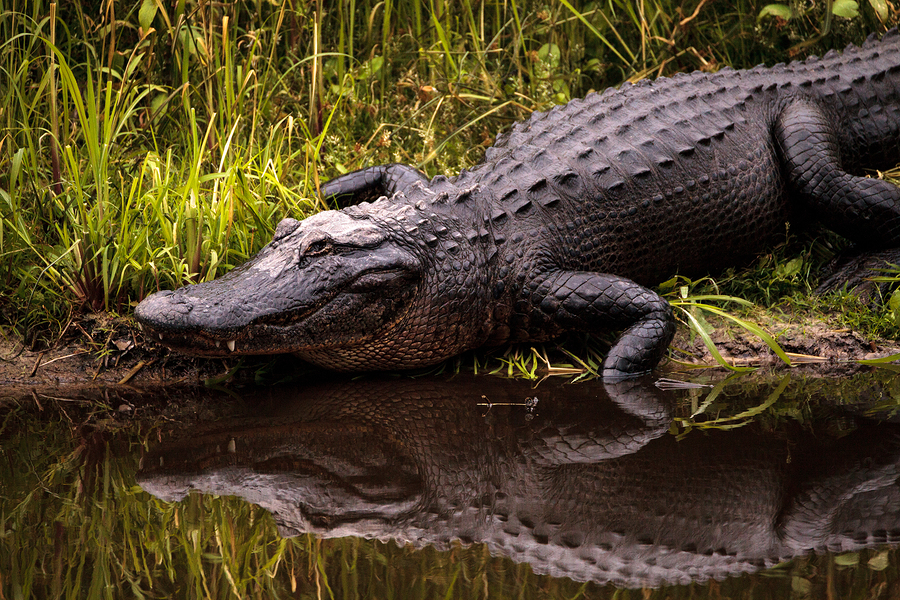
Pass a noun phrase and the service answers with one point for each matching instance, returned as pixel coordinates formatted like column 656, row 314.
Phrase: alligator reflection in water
column 588, row 486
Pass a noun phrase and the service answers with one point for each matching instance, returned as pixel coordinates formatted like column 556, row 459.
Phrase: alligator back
column 684, row 173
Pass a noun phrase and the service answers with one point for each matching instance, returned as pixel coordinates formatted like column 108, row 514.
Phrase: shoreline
column 125, row 360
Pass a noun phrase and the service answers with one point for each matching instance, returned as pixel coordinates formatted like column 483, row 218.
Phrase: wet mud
column 104, row 353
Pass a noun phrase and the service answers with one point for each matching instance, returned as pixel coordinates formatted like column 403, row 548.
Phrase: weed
column 148, row 145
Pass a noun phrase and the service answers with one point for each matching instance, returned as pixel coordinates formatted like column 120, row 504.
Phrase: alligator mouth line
column 212, row 343
column 187, row 341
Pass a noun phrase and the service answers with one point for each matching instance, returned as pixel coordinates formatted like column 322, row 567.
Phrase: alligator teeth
column 232, row 446
column 231, row 345
column 160, row 337
column 218, row 343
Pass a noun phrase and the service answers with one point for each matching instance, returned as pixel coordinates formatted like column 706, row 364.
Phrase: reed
column 147, row 145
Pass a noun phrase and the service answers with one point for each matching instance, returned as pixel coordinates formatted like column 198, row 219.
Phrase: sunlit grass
column 153, row 145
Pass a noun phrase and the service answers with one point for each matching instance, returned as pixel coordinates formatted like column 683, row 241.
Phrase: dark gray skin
column 587, row 485
column 568, row 219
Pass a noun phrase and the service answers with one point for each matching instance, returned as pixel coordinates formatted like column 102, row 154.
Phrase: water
column 458, row 487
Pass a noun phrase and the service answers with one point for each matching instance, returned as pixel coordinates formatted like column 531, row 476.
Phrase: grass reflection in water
column 76, row 525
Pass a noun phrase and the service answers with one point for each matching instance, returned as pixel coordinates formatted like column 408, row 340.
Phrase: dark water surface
column 465, row 487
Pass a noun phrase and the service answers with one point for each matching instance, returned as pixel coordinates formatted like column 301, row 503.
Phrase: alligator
column 586, row 483
column 568, row 219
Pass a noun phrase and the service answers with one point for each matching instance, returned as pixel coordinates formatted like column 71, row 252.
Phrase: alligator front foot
column 369, row 184
column 599, row 303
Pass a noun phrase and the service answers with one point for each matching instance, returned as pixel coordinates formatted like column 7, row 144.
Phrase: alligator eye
column 318, row 247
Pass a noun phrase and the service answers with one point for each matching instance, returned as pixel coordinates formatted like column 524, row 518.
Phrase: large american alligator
column 570, row 215
column 590, row 487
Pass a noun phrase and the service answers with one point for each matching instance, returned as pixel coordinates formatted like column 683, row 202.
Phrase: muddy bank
column 104, row 352
column 100, row 351
column 815, row 346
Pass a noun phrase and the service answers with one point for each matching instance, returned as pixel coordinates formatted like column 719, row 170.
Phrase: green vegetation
column 148, row 144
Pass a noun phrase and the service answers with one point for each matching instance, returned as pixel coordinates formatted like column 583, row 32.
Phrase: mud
column 102, row 352
column 815, row 346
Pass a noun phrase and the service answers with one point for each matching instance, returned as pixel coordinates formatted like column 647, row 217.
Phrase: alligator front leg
column 599, row 303
column 369, row 184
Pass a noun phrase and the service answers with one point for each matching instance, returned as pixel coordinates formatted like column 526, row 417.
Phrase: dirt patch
column 813, row 344
column 100, row 351
column 104, row 375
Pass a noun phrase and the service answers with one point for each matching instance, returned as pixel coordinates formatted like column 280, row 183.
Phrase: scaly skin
column 569, row 217
column 589, row 487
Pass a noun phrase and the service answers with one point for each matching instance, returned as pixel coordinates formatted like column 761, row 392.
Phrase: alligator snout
column 193, row 309
column 164, row 310
column 322, row 283
column 181, row 320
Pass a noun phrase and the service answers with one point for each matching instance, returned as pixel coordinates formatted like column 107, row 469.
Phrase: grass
column 148, row 145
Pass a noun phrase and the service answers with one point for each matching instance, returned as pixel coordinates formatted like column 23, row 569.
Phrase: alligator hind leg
column 856, row 270
column 599, row 303
column 865, row 210
column 367, row 185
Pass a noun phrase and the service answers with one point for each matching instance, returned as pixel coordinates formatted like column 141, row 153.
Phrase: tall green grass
column 148, row 144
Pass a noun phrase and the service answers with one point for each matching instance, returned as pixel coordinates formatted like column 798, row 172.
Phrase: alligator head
column 339, row 289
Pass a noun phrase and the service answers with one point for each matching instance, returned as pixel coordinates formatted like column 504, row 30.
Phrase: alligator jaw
column 165, row 317
column 293, row 295
column 197, row 343
column 274, row 332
